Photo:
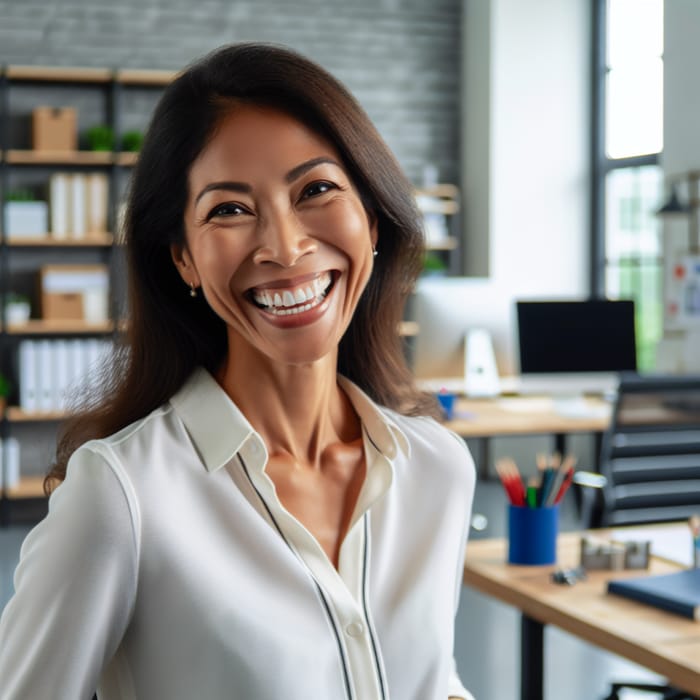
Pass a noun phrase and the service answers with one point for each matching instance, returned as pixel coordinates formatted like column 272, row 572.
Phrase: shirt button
column 355, row 629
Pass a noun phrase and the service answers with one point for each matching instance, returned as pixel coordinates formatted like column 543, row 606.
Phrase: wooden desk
column 527, row 415
column 483, row 419
column 665, row 643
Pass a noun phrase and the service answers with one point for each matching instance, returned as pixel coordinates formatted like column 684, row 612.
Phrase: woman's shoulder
column 426, row 436
column 132, row 431
column 128, row 446
column 418, row 425
column 155, row 426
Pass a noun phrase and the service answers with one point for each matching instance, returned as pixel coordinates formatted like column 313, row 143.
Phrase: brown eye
column 317, row 188
column 226, row 210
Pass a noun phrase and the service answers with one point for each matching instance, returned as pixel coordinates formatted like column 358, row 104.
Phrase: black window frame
column 601, row 165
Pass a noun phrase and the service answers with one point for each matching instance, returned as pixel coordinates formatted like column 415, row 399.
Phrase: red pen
column 565, row 485
column 512, row 483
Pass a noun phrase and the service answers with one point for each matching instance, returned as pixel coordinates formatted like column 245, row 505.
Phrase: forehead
column 260, row 140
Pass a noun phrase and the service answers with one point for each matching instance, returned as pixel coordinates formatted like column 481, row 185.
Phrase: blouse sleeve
column 455, row 687
column 75, row 587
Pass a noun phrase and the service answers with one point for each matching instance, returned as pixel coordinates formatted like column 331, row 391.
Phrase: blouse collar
column 218, row 429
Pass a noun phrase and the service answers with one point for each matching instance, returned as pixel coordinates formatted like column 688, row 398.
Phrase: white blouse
column 168, row 569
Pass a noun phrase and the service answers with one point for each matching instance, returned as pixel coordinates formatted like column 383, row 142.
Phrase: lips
column 292, row 299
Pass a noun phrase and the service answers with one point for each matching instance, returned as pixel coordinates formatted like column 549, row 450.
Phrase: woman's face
column 276, row 236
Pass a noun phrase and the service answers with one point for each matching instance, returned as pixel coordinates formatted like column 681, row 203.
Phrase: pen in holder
column 532, row 534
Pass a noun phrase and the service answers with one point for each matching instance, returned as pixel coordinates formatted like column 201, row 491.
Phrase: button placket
column 355, row 629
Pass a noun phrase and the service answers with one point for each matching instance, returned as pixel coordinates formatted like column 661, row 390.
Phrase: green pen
column 532, row 496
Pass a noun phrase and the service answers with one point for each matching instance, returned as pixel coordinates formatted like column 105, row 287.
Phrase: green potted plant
column 132, row 141
column 21, row 194
column 4, row 392
column 100, row 138
column 433, row 265
column 25, row 216
column 17, row 309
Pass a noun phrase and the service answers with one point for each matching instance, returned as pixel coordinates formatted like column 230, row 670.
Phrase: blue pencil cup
column 532, row 535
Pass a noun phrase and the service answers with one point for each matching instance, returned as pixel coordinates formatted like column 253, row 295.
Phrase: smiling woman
column 273, row 217
column 229, row 517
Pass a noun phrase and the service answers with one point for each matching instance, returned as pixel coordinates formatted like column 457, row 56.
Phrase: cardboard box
column 71, row 292
column 55, row 129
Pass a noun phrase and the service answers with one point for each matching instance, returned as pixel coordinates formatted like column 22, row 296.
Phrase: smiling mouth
column 286, row 301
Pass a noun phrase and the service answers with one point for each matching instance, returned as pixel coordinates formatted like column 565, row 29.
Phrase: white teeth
column 321, row 283
column 288, row 301
column 295, row 309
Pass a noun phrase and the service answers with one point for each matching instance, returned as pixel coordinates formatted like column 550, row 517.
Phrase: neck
column 299, row 410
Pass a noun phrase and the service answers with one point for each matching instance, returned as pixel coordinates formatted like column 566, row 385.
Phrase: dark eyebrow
column 292, row 175
column 303, row 168
column 225, row 185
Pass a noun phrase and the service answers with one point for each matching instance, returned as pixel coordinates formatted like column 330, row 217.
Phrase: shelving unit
column 38, row 326
column 28, row 487
column 449, row 243
column 92, row 240
column 440, row 206
column 14, row 414
column 120, row 99
column 443, row 202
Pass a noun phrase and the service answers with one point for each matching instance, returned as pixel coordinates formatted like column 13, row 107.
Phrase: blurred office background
column 562, row 145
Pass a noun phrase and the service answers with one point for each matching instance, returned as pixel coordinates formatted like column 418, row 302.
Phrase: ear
column 185, row 265
column 373, row 230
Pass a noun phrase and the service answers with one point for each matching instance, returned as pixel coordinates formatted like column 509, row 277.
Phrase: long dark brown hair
column 169, row 334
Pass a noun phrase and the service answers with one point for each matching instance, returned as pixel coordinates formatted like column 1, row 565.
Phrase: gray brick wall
column 401, row 58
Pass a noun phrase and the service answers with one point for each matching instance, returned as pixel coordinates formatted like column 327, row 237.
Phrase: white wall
column 525, row 149
column 679, row 352
column 681, row 91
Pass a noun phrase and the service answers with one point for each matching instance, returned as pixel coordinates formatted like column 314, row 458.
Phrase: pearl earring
column 193, row 290
column 374, row 252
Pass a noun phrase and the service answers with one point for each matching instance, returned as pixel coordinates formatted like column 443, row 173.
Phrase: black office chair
column 649, row 467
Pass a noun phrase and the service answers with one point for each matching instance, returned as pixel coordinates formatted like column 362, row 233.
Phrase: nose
column 283, row 240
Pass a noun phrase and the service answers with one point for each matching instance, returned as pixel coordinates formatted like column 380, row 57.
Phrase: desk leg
column 531, row 658
column 484, row 457
column 560, row 444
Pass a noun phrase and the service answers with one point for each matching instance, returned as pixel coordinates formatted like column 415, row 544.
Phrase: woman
column 258, row 507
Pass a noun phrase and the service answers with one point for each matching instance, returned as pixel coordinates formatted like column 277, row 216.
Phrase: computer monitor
column 447, row 309
column 583, row 342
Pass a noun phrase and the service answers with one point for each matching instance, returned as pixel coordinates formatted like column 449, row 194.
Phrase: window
column 627, row 180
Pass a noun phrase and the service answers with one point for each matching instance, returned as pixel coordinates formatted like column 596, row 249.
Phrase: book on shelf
column 28, row 399
column 78, row 204
column 51, row 372
column 61, row 374
column 678, row 592
column 96, row 203
column 44, row 375
column 59, row 205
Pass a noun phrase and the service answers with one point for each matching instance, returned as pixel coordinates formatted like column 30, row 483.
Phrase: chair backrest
column 651, row 452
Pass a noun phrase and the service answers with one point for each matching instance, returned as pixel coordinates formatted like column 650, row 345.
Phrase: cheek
column 218, row 258
column 349, row 230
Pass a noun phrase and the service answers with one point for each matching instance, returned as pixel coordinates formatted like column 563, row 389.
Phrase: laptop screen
column 576, row 336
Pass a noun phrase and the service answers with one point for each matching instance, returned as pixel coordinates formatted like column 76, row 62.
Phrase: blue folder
column 678, row 592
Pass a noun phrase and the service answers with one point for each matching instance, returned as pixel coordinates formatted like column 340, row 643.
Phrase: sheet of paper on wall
column 683, row 293
column 671, row 542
